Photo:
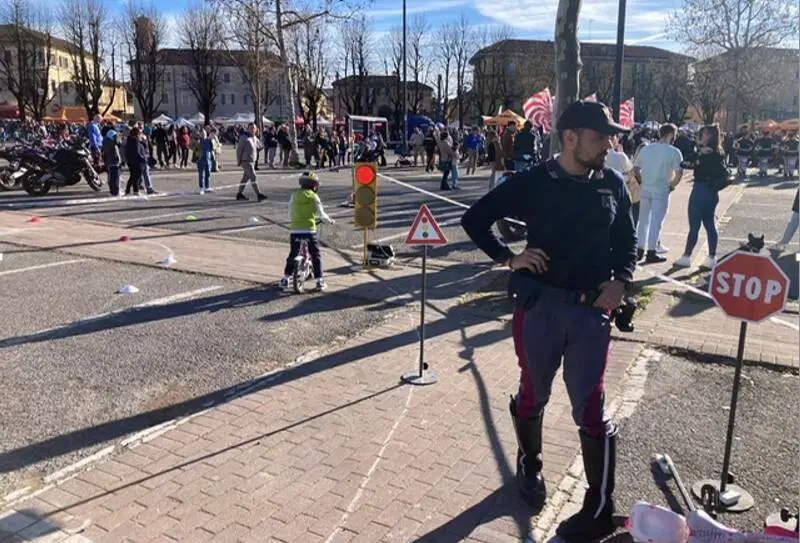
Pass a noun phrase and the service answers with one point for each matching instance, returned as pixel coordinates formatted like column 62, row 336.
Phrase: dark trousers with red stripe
column 581, row 335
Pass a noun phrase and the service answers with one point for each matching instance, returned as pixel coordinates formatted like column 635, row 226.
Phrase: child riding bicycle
column 305, row 208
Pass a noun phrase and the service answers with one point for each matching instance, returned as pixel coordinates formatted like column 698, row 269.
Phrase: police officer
column 790, row 151
column 743, row 146
column 764, row 148
column 579, row 260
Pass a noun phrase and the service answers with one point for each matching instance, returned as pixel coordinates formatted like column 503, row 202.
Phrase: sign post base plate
column 744, row 503
column 427, row 378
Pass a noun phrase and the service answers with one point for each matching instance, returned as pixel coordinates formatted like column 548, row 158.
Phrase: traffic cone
column 190, row 218
column 253, row 220
column 34, row 219
column 170, row 260
column 124, row 237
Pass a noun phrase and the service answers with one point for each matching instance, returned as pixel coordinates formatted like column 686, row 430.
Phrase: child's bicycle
column 302, row 270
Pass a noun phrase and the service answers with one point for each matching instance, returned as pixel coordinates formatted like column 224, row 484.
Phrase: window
column 226, row 77
column 168, row 77
column 7, row 55
column 511, row 69
column 222, row 97
column 185, row 98
column 164, row 98
column 244, row 99
column 233, row 99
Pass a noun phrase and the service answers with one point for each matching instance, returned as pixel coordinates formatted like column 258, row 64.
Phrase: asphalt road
column 684, row 413
column 79, row 361
column 219, row 213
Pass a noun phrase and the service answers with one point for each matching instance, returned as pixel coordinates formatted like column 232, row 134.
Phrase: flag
column 538, row 109
column 591, row 98
column 626, row 113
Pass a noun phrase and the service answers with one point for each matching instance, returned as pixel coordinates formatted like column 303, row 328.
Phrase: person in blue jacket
column 204, row 150
column 95, row 140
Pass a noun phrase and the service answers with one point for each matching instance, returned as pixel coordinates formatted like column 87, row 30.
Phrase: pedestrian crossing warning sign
column 425, row 230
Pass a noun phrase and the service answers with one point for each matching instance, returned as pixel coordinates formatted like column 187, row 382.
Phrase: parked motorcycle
column 61, row 167
column 11, row 173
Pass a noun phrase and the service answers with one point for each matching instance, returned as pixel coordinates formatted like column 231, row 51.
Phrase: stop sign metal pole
column 737, row 379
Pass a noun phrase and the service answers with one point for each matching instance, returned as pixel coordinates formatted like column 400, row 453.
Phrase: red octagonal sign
column 749, row 286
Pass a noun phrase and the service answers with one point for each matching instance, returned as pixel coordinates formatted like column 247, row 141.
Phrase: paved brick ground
column 335, row 450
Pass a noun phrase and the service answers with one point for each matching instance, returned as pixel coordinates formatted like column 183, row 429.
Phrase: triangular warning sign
column 425, row 230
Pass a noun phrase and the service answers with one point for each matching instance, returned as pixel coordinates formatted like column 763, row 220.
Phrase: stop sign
column 749, row 286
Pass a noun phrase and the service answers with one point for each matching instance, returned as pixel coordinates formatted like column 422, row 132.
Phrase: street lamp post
column 405, row 86
column 616, row 99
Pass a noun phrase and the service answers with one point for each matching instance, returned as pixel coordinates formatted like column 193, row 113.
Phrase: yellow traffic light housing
column 365, row 194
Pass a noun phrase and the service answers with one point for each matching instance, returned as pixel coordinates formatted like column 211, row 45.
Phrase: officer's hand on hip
column 611, row 296
column 532, row 259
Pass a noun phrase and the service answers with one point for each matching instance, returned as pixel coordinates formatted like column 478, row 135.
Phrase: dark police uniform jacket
column 583, row 224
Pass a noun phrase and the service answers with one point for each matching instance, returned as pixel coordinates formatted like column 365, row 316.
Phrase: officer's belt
column 525, row 290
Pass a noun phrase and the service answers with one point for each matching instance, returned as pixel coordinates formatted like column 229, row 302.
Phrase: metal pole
column 726, row 461
column 405, row 86
column 422, row 311
column 366, row 240
column 616, row 99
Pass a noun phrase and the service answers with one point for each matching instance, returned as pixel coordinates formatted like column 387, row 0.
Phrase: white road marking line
column 42, row 266
column 245, row 229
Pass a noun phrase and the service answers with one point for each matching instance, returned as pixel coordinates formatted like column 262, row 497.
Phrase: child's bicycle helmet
column 309, row 180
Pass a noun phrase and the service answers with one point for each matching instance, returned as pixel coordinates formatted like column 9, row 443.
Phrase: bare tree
column 357, row 41
column 86, row 26
column 568, row 63
column 143, row 33
column 419, row 61
column 25, row 57
column 462, row 46
column 709, row 85
column 250, row 27
column 393, row 58
column 493, row 81
column 312, row 67
column 672, row 92
column 203, row 37
column 739, row 29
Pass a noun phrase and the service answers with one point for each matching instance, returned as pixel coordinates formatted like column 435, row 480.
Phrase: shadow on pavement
column 29, row 525
column 252, row 441
column 86, row 437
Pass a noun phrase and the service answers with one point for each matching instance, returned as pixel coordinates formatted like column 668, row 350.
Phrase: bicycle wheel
column 298, row 276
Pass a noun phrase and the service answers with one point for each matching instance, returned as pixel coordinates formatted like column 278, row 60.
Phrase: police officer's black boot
column 594, row 520
column 529, row 457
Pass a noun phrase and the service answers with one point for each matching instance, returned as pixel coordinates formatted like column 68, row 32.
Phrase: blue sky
column 531, row 19
column 535, row 19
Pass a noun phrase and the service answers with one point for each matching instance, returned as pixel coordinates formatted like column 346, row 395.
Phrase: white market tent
column 162, row 119
column 180, row 121
column 244, row 118
column 197, row 118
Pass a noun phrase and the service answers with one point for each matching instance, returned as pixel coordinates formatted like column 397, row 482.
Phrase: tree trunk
column 568, row 63
column 287, row 77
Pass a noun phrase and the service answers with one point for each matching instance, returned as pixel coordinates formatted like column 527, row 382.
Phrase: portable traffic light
column 365, row 196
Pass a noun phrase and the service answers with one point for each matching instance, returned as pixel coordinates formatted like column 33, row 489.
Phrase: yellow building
column 58, row 76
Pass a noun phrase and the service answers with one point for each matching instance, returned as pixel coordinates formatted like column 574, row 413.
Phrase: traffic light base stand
column 707, row 491
column 427, row 378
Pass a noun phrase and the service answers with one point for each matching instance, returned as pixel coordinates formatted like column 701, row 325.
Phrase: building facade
column 57, row 72
column 232, row 92
column 379, row 95
column 508, row 72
